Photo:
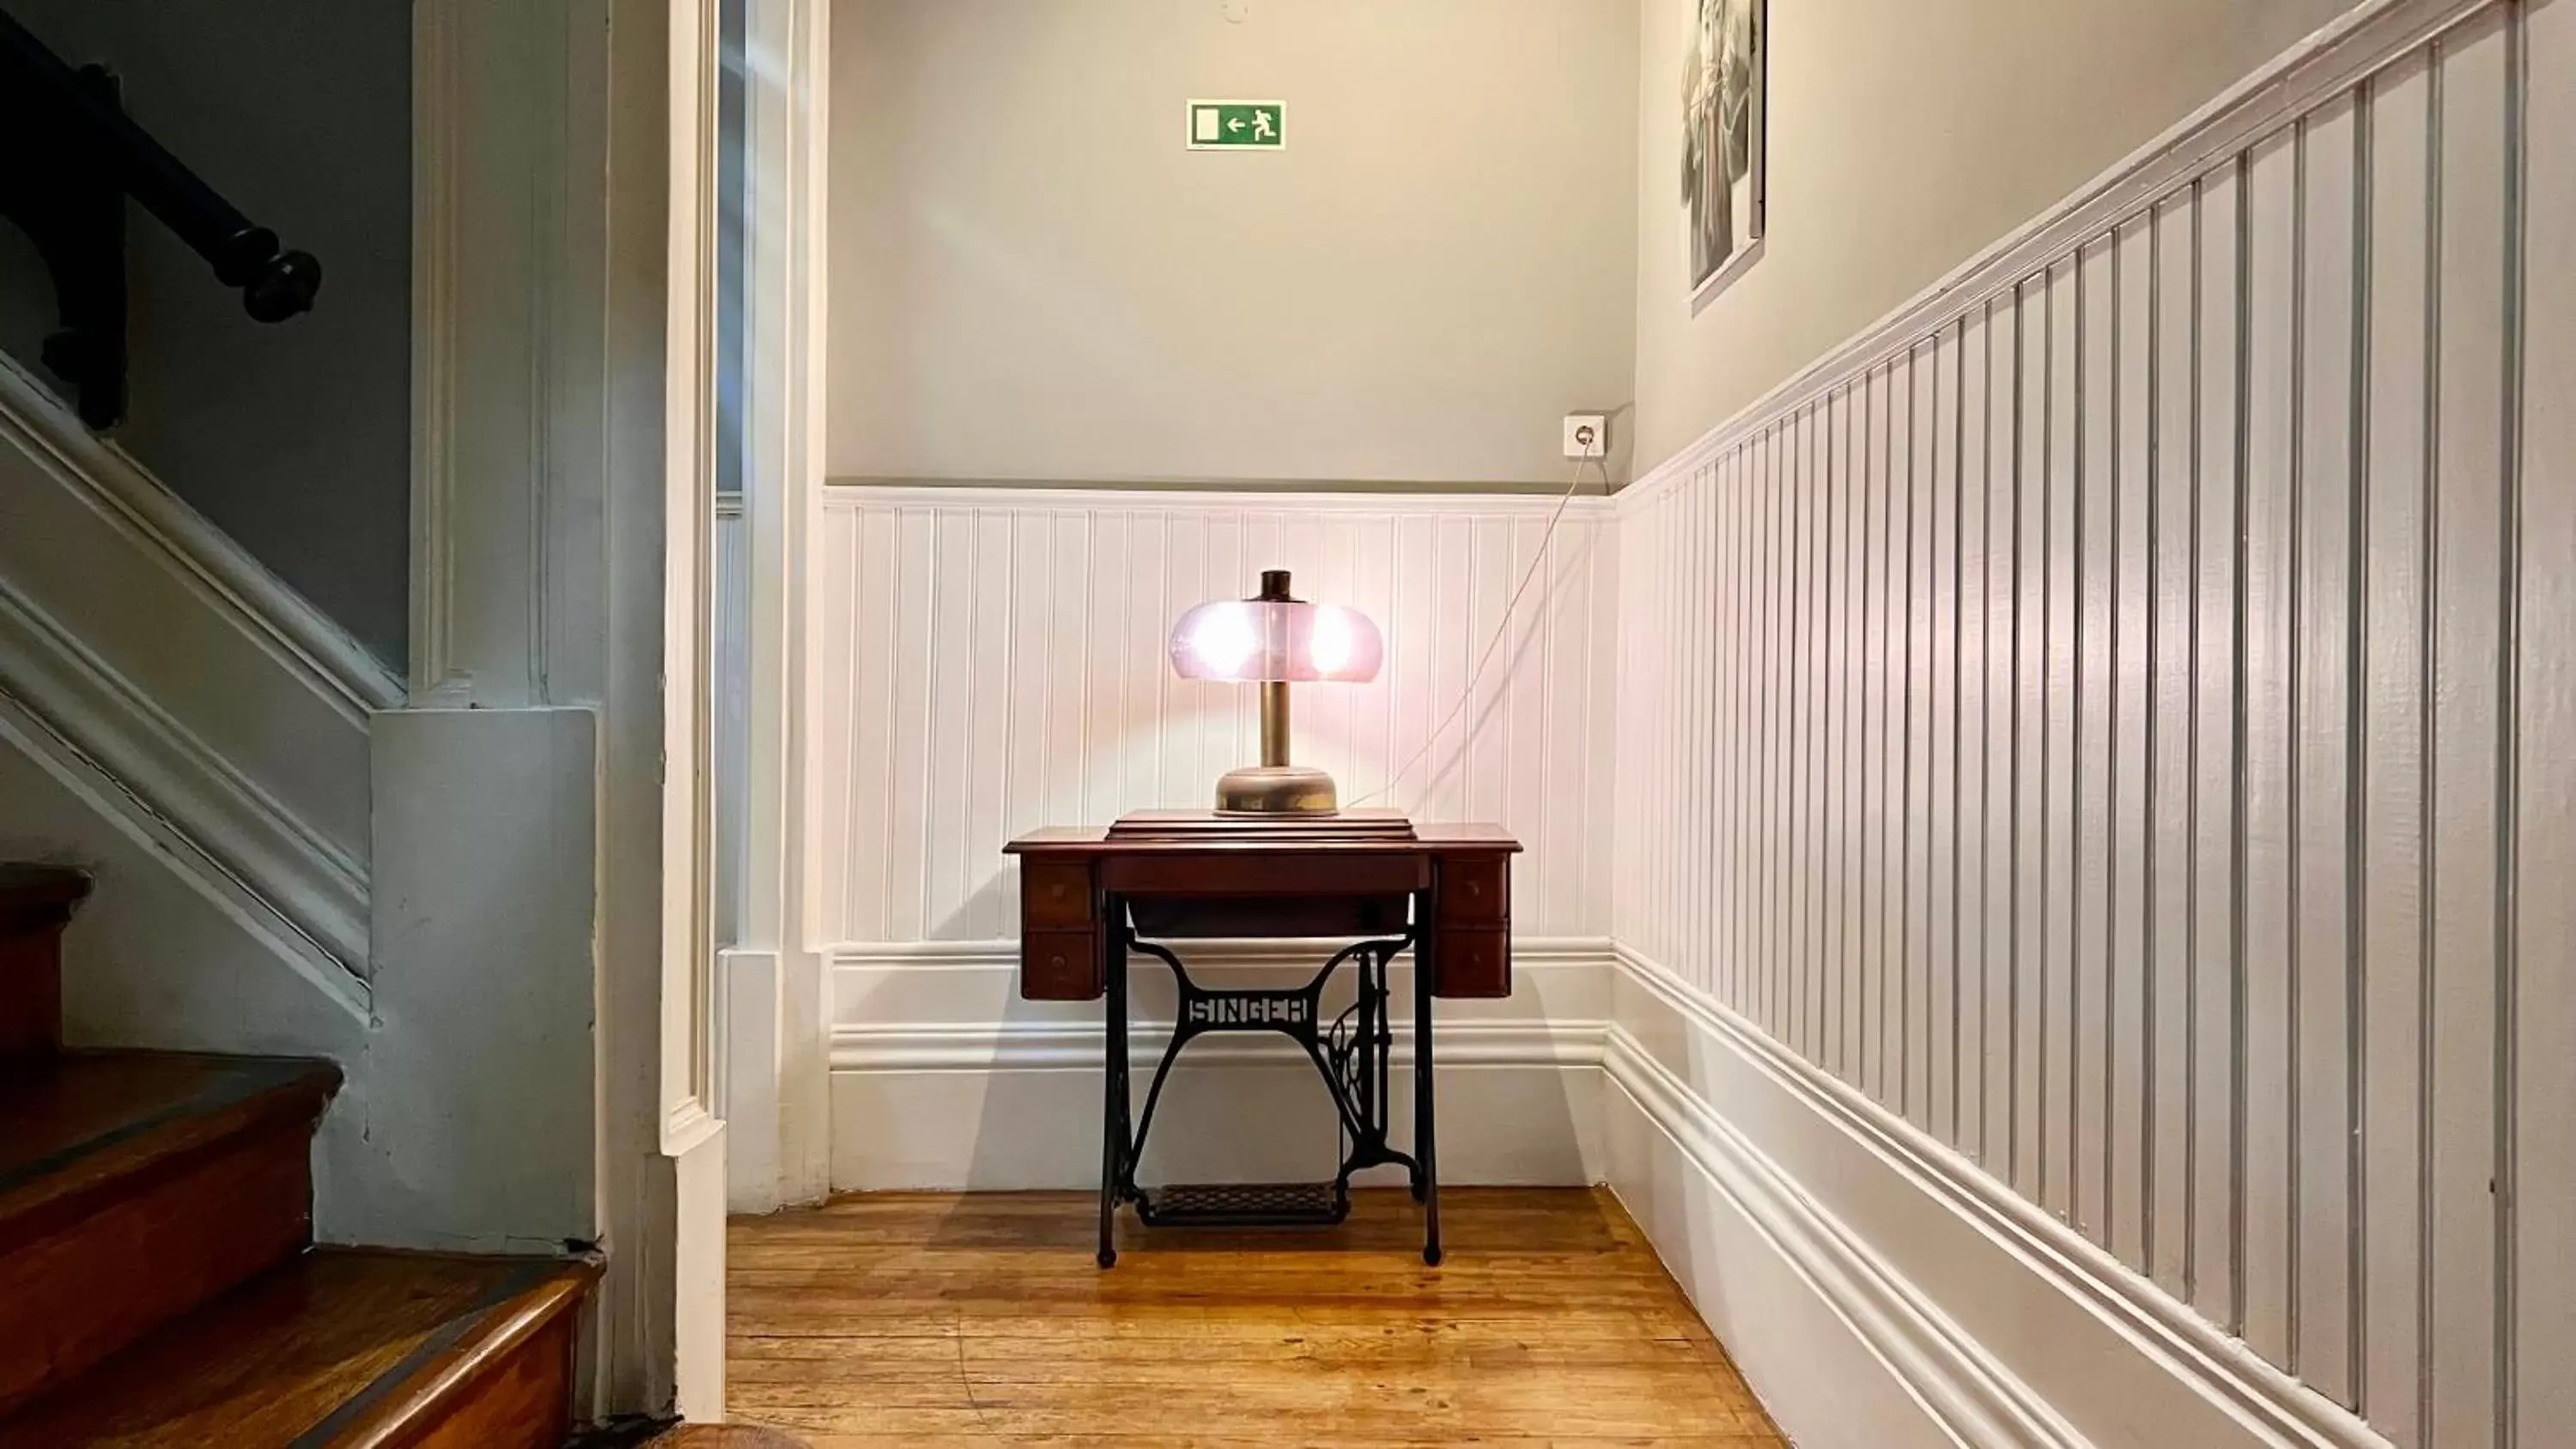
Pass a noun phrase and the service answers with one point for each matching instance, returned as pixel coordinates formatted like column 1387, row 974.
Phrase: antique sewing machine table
column 1089, row 898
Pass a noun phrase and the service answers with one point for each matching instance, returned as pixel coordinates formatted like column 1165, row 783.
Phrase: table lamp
column 1275, row 640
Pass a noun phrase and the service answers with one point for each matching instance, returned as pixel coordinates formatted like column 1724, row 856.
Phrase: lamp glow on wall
column 1275, row 640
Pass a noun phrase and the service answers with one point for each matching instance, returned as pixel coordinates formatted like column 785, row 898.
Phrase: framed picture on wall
column 1722, row 141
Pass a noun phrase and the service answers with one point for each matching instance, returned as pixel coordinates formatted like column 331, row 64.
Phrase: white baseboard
column 1231, row 1118
column 1815, row 1370
column 942, row 1078
column 1879, row 1288
column 1837, row 1344
column 904, row 983
column 749, row 1067
column 774, row 1064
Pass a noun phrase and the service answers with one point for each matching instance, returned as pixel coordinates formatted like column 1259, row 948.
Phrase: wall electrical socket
column 1587, row 435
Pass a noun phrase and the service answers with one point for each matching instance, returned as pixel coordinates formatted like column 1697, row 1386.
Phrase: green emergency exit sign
column 1238, row 125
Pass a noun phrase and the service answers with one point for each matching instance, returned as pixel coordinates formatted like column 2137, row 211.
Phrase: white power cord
column 1502, row 626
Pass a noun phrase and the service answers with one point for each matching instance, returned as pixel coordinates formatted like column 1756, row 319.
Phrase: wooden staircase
column 158, row 1279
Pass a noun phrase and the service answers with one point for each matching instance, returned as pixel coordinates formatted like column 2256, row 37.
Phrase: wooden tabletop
column 1178, row 876
column 1428, row 836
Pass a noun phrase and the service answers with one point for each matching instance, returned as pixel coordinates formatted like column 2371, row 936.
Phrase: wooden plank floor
column 935, row 1321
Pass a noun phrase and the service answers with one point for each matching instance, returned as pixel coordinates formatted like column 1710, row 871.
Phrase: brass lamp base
column 1276, row 790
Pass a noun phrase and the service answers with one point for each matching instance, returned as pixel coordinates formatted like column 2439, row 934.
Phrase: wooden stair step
column 341, row 1347
column 36, row 902
column 136, row 1185
column 32, row 893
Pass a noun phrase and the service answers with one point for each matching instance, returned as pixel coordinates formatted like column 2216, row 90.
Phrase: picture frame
column 1724, row 138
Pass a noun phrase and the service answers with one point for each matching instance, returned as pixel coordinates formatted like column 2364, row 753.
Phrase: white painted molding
column 2360, row 42
column 437, row 113
column 1084, row 498
column 1514, row 1114
column 689, row 1127
column 208, row 875
column 775, row 1037
column 237, row 587
column 941, row 1076
column 1876, row 1286
column 1214, row 955
column 988, row 1046
column 194, row 699
column 692, row 1012
column 1972, row 1398
column 754, row 1073
column 232, row 839
column 690, row 1020
column 508, row 574
column 881, row 993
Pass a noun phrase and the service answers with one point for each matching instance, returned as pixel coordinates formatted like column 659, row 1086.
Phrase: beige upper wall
column 1032, row 278
column 1904, row 137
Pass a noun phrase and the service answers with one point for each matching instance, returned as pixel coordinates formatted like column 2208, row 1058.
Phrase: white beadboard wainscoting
column 988, row 661
column 2104, row 743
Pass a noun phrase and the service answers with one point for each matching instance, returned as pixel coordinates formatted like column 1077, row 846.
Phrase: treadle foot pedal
column 1243, row 1205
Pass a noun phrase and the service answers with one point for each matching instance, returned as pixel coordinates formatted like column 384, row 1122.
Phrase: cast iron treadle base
column 1243, row 1204
column 1351, row 1053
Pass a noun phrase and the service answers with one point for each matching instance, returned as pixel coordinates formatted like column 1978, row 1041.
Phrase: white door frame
column 777, row 1068
column 692, row 1135
column 562, row 482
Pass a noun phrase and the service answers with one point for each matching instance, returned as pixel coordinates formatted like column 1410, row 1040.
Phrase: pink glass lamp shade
column 1274, row 640
column 1279, row 639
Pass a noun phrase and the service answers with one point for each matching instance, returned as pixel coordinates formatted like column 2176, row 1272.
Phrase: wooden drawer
column 1475, row 890
column 1183, row 918
column 1472, row 963
column 1055, row 895
column 1060, row 966
column 1264, row 873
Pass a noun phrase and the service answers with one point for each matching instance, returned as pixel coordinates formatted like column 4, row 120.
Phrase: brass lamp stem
column 1275, row 787
column 1274, row 722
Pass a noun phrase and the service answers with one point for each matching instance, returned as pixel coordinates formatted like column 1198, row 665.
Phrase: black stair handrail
column 69, row 155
